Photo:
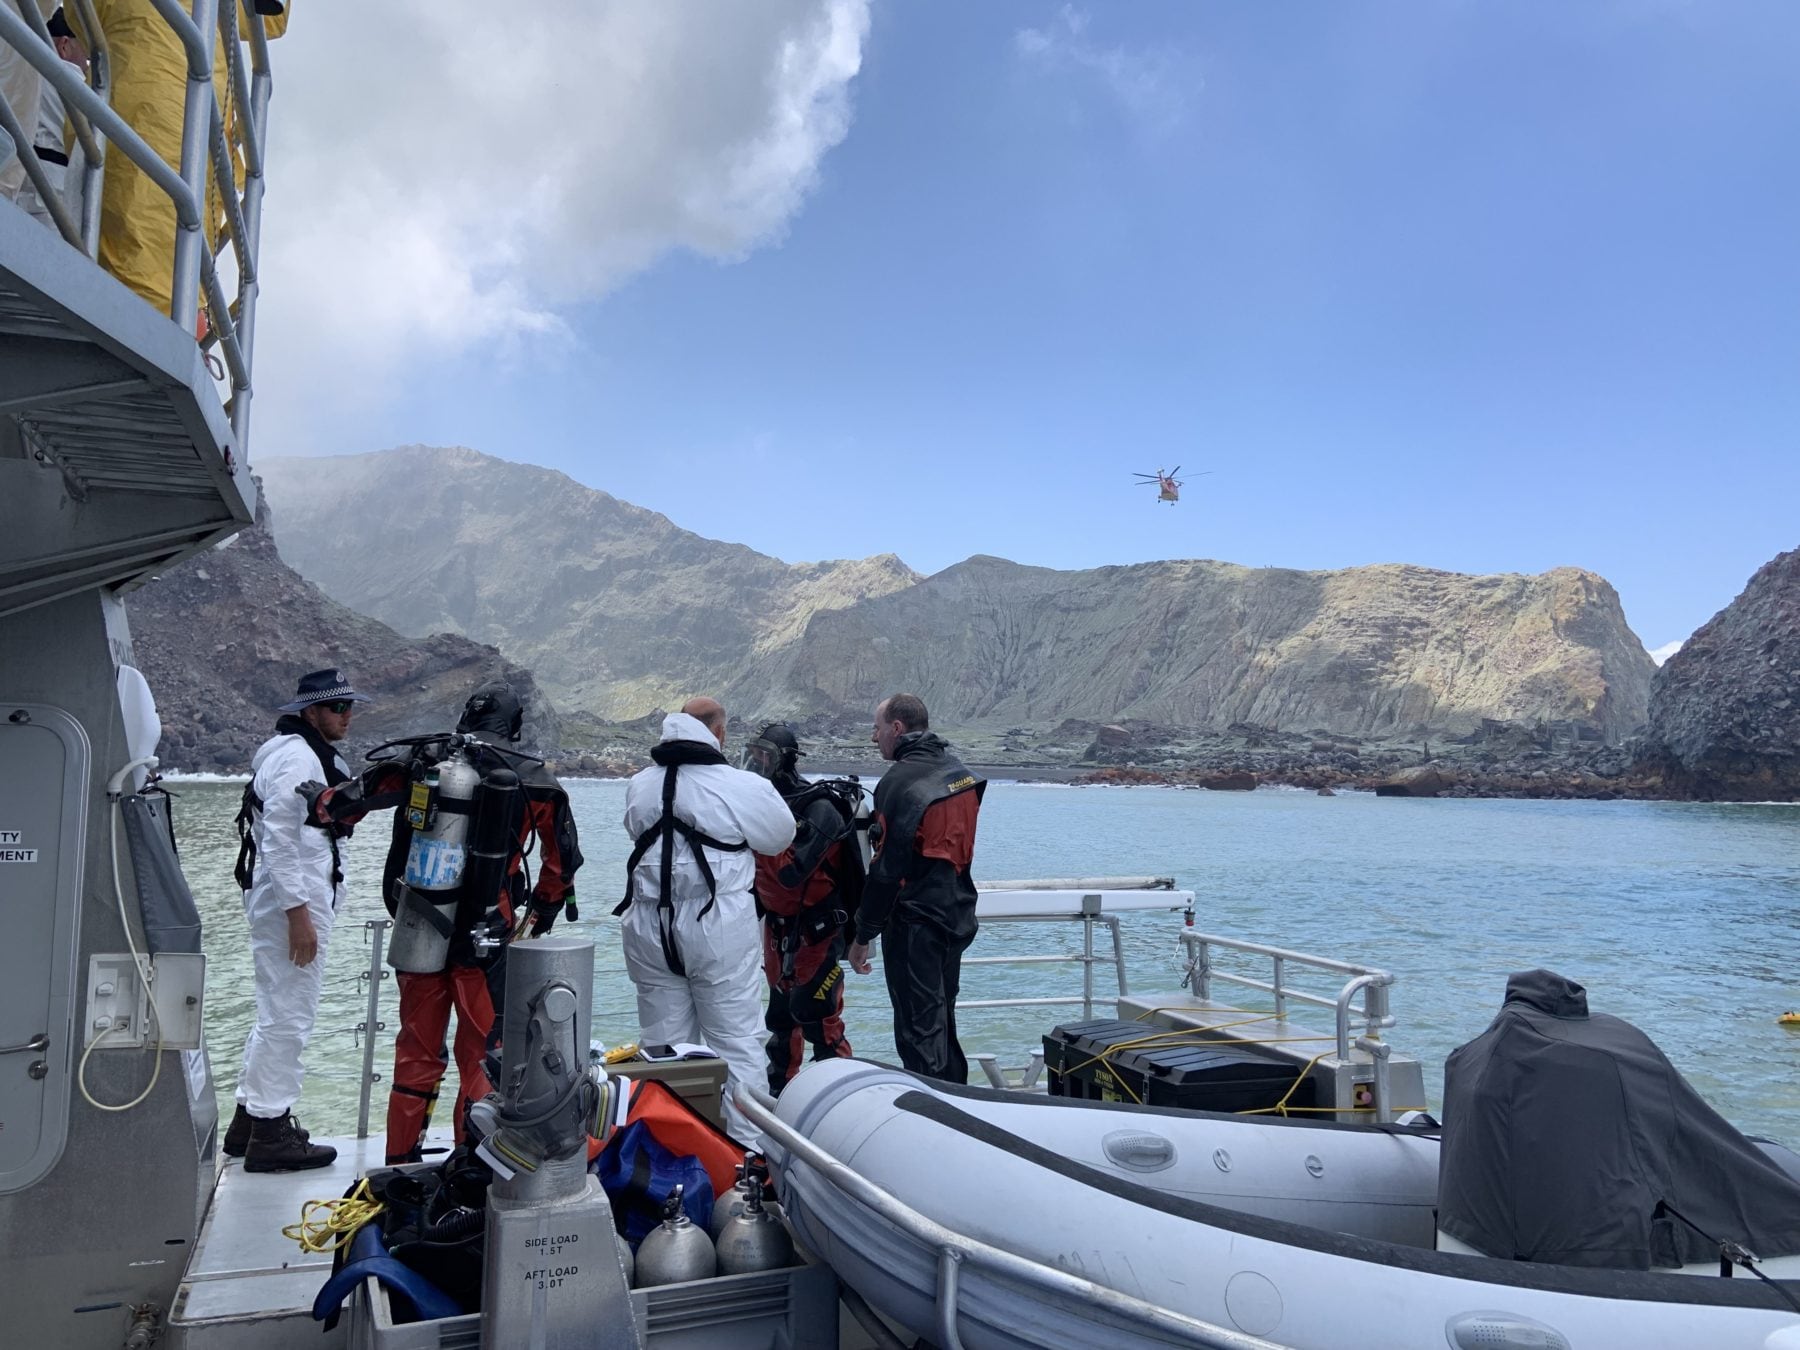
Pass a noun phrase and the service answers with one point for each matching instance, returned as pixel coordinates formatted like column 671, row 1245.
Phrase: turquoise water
column 1681, row 918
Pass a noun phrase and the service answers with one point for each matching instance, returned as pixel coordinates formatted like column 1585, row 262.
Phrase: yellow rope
column 326, row 1225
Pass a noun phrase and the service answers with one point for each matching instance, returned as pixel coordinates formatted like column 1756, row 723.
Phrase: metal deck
column 244, row 1278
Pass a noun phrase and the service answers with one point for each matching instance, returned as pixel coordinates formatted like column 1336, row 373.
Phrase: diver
column 919, row 898
column 808, row 893
column 457, row 882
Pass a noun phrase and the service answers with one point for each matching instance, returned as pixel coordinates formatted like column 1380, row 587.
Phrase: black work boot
column 237, row 1137
column 277, row 1144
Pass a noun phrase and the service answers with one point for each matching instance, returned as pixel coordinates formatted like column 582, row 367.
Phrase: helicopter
column 1168, row 486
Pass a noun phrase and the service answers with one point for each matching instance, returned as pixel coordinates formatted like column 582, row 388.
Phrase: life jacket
column 667, row 828
column 250, row 807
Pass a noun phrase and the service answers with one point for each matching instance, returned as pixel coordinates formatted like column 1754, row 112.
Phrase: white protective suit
column 718, row 1003
column 293, row 868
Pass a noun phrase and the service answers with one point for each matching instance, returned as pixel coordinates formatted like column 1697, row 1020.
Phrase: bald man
column 693, row 943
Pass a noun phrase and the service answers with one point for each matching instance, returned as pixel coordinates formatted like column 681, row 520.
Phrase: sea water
column 1680, row 918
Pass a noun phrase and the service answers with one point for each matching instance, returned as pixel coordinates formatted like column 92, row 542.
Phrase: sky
column 1488, row 287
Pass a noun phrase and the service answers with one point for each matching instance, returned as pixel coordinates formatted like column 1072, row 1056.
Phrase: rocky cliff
column 614, row 608
column 619, row 612
column 223, row 638
column 1725, row 709
column 1368, row 651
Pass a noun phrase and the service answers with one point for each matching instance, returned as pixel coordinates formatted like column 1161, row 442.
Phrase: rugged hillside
column 1725, row 709
column 223, row 637
column 614, row 608
column 1370, row 651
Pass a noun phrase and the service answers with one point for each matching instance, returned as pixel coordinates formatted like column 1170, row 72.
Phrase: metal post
column 371, row 1021
column 257, row 118
column 195, row 129
column 949, row 1268
column 93, row 172
column 1118, row 946
column 1280, row 993
column 1090, row 910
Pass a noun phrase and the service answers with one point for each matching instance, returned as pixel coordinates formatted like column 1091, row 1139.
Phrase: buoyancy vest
column 912, row 786
column 666, row 828
column 826, row 812
column 332, row 771
column 923, row 773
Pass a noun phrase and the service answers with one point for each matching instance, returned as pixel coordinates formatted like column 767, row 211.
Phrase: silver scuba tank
column 428, row 889
column 676, row 1250
column 731, row 1204
column 754, row 1239
column 859, row 822
column 628, row 1257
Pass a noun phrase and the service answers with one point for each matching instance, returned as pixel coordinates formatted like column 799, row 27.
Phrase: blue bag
column 638, row 1175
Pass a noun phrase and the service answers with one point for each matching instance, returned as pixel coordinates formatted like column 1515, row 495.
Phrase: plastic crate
column 790, row 1309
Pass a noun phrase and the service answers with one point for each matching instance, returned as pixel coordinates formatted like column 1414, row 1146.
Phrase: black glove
column 311, row 791
column 543, row 917
column 569, row 911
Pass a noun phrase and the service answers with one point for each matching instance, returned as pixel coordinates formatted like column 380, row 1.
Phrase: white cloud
column 1149, row 82
column 445, row 173
column 1664, row 652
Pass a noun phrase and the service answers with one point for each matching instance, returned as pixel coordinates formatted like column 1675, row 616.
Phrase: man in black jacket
column 919, row 899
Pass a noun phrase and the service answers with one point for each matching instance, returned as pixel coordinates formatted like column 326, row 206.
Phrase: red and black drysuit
column 919, row 899
column 471, row 983
column 807, row 894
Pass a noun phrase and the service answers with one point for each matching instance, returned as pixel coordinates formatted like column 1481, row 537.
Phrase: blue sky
column 1485, row 287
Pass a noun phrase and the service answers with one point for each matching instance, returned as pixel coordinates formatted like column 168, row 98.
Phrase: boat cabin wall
column 112, row 1221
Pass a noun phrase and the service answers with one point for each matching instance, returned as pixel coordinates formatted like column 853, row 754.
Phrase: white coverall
column 718, row 1003
column 293, row 868
column 50, row 121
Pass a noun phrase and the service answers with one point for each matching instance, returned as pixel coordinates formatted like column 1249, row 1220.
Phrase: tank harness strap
column 410, row 900
column 667, row 827
column 248, row 810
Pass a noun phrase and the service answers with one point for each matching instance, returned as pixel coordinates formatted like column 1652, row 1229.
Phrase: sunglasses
column 339, row 706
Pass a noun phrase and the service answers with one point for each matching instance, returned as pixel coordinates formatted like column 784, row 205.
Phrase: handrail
column 1371, row 982
column 40, row 181
column 208, row 137
column 955, row 1249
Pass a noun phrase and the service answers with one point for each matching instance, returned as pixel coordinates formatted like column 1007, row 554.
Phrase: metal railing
column 208, row 140
column 366, row 1029
column 955, row 1250
column 1370, row 982
column 1027, row 1075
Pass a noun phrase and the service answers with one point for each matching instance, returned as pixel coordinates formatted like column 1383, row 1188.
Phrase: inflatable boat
column 1314, row 1235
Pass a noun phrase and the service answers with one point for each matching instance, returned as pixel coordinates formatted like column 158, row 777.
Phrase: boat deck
column 243, row 1273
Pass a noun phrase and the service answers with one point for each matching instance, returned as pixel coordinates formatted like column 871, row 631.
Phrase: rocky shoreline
column 1500, row 760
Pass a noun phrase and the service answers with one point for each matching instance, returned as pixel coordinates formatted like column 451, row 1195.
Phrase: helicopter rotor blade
column 1172, row 472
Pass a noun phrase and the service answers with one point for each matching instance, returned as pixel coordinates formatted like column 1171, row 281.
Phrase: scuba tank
column 675, row 1251
column 731, row 1204
column 628, row 1257
column 438, row 810
column 754, row 1239
column 859, row 822
column 499, row 805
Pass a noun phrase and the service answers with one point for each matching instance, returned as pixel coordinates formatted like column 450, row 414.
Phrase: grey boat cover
column 1568, row 1138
